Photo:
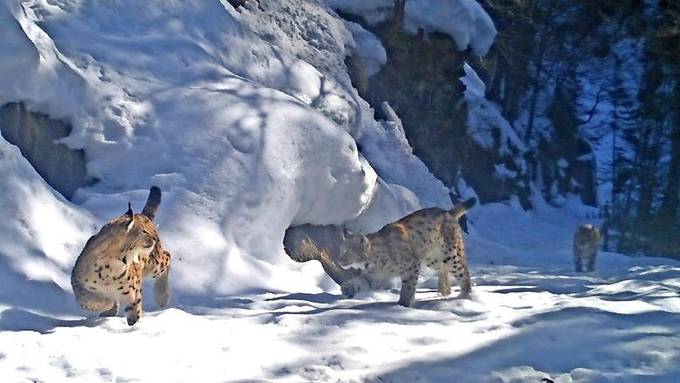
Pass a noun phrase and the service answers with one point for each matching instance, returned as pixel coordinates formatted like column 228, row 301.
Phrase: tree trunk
column 671, row 197
column 399, row 10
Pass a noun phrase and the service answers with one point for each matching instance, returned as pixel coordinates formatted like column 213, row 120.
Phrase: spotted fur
column 586, row 238
column 429, row 237
column 111, row 267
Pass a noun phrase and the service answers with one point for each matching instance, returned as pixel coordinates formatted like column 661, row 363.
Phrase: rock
column 35, row 135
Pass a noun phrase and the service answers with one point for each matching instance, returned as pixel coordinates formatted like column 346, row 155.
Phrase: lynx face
column 140, row 237
column 354, row 249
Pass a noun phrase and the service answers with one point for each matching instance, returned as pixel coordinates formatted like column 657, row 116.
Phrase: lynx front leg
column 577, row 260
column 409, row 279
column 463, row 277
column 443, row 282
column 132, row 299
column 590, row 264
column 161, row 289
column 112, row 312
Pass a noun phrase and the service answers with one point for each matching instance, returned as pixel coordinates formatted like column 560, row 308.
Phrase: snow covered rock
column 37, row 136
column 464, row 20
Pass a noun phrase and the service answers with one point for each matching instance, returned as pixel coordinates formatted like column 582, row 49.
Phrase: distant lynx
column 429, row 237
column 114, row 261
column 585, row 247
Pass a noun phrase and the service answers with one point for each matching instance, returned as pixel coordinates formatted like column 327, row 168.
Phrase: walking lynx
column 114, row 261
column 585, row 247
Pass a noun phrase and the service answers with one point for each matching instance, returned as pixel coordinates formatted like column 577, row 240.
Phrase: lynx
column 113, row 263
column 324, row 243
column 585, row 247
column 429, row 237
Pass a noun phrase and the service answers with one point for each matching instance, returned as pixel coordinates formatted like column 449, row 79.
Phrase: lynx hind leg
column 92, row 301
column 460, row 269
column 409, row 280
column 577, row 261
column 463, row 277
column 443, row 280
column 161, row 288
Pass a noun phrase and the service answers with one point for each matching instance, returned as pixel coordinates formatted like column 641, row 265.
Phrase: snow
column 501, row 171
column 368, row 49
column 485, row 118
column 248, row 122
column 465, row 21
column 531, row 317
column 31, row 211
column 562, row 163
column 474, row 86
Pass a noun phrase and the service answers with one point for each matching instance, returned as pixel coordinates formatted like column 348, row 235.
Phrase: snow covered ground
column 248, row 121
column 531, row 317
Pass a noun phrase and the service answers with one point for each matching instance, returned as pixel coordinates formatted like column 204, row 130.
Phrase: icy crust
column 244, row 137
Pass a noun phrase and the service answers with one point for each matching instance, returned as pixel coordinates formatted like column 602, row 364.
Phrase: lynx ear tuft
column 129, row 212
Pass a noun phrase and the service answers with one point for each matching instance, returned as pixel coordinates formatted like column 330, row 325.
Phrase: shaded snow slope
column 39, row 235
